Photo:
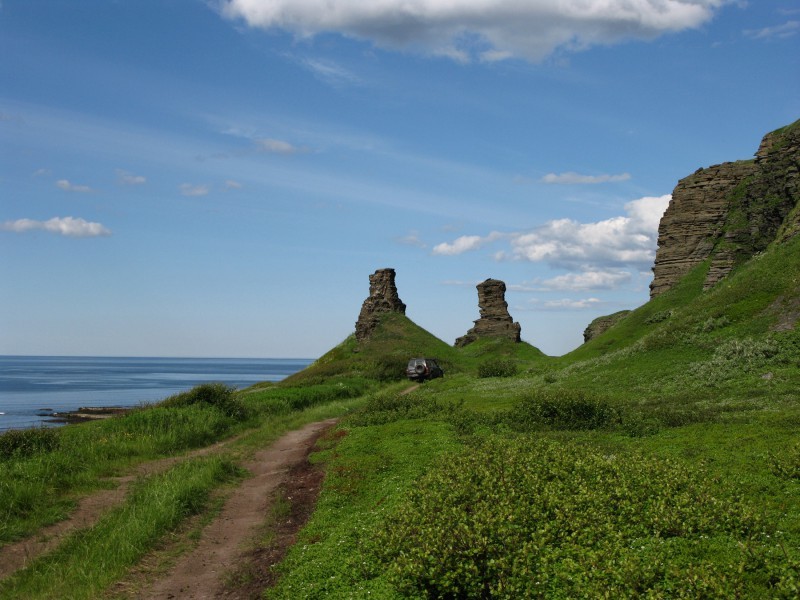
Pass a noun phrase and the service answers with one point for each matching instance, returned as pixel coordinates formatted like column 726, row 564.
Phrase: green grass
column 88, row 561
column 41, row 480
column 370, row 470
column 658, row 460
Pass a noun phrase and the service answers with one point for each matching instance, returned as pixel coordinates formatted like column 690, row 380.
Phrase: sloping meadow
column 552, row 498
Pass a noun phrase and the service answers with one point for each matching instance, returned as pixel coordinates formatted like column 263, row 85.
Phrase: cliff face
column 383, row 298
column 494, row 320
column 730, row 212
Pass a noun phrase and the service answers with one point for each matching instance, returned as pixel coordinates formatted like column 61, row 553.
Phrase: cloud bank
column 66, row 226
column 485, row 30
column 628, row 240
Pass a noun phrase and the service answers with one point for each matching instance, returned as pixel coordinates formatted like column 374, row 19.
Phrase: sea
column 33, row 387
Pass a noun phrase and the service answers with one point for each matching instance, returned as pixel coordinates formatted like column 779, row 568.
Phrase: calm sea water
column 32, row 386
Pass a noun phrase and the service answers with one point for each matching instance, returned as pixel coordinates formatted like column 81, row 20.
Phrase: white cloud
column 273, row 146
column 619, row 241
column 587, row 280
column 486, row 30
column 233, row 185
column 571, row 304
column 125, row 178
column 190, row 189
column 67, row 226
column 571, row 177
column 623, row 240
column 788, row 29
column 64, row 184
column 465, row 243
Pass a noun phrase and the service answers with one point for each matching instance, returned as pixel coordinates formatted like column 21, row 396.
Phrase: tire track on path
column 224, row 542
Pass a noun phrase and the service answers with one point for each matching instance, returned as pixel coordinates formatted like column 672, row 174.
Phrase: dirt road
column 224, row 542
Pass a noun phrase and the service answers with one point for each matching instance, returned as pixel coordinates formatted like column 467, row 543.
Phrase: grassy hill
column 384, row 356
column 660, row 459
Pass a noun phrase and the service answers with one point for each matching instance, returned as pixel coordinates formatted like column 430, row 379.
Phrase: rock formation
column 494, row 320
column 730, row 212
column 382, row 299
column 602, row 324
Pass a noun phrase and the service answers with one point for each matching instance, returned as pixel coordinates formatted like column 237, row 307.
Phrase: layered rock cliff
column 730, row 212
column 382, row 299
column 495, row 321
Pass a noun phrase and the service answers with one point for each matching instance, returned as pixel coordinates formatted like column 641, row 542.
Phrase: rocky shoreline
column 83, row 414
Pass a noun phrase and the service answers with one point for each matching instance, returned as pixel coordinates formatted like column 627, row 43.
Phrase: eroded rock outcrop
column 602, row 324
column 382, row 299
column 730, row 212
column 495, row 321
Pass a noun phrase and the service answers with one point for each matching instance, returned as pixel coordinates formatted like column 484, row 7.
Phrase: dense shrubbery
column 659, row 317
column 536, row 518
column 787, row 463
column 736, row 356
column 386, row 407
column 497, row 368
column 562, row 409
column 21, row 443
column 218, row 395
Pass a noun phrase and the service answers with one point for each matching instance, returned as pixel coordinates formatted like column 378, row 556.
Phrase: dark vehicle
column 420, row 369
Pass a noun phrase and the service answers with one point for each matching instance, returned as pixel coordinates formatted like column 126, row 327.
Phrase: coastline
column 84, row 414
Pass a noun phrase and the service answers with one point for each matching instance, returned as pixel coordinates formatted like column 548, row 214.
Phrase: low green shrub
column 659, row 317
column 279, row 400
column 387, row 368
column 220, row 396
column 787, row 463
column 535, row 518
column 18, row 443
column 497, row 368
column 712, row 324
column 562, row 409
column 747, row 355
column 387, row 407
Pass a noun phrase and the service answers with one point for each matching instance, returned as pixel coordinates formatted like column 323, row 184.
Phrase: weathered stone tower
column 382, row 299
column 495, row 320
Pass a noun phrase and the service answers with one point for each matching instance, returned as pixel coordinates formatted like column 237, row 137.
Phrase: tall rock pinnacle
column 495, row 320
column 383, row 298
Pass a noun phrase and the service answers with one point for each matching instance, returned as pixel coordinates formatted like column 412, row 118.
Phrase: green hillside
column 661, row 459
column 383, row 357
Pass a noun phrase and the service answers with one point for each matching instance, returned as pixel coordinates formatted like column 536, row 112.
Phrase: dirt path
column 225, row 542
column 88, row 511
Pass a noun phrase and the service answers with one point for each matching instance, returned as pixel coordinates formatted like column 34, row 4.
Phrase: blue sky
column 220, row 178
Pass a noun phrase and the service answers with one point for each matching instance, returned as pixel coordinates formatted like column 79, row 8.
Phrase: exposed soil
column 225, row 546
column 293, row 504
